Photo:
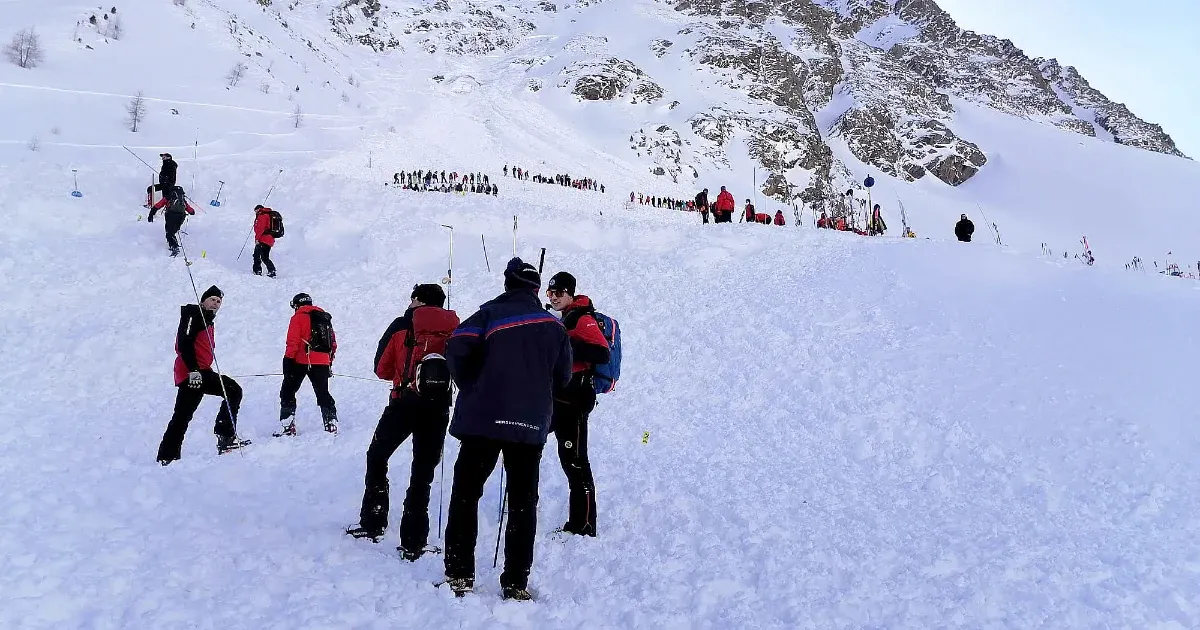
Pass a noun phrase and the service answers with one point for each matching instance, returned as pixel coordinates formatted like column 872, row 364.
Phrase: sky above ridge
column 1141, row 54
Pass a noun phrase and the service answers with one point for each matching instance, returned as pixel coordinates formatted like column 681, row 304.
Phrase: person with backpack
column 507, row 360
column 748, row 215
column 779, row 219
column 266, row 229
column 308, row 352
column 410, row 354
column 175, row 210
column 702, row 205
column 574, row 403
column 876, row 226
column 195, row 352
column 964, row 229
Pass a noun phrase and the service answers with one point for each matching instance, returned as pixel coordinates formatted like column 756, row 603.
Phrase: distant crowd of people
column 440, row 181
column 561, row 179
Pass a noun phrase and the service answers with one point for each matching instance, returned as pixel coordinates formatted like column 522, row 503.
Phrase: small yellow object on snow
column 204, row 253
column 139, row 217
column 645, row 437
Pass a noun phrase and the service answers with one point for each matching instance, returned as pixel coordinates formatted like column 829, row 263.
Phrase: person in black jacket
column 702, row 204
column 167, row 175
column 964, row 229
column 507, row 360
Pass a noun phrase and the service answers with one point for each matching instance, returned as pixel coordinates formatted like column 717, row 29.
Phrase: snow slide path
column 844, row 432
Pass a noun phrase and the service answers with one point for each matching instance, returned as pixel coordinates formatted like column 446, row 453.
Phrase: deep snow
column 843, row 432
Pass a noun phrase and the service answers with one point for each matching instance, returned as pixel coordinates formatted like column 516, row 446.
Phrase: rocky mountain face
column 794, row 80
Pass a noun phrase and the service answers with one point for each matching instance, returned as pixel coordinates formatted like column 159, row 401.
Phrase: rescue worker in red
column 309, row 351
column 263, row 241
column 404, row 356
column 779, row 220
column 749, row 212
column 823, row 222
column 723, row 208
column 195, row 349
column 574, row 403
column 763, row 218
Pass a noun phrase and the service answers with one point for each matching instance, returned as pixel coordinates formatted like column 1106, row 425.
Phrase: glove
column 195, row 380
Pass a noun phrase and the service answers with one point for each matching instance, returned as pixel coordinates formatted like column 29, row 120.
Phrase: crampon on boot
column 329, row 417
column 288, row 429
column 358, row 531
column 231, row 443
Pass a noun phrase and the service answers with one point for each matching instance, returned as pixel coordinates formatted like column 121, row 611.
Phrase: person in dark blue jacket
column 507, row 360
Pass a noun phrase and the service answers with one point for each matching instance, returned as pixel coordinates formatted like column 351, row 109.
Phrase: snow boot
column 174, row 252
column 516, row 594
column 270, row 274
column 358, row 531
column 460, row 586
column 230, row 443
column 412, row 555
column 329, row 417
column 288, row 429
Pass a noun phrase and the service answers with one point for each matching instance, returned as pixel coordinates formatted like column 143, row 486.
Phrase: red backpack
column 426, row 370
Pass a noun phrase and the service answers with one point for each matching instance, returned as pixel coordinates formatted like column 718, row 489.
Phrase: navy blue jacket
column 507, row 359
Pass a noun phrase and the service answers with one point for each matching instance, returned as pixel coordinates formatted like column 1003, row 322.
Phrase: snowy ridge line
column 176, row 102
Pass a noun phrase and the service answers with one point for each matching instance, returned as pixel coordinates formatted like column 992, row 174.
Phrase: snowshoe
column 166, row 462
column 271, row 274
column 224, row 445
column 358, row 531
column 516, row 594
column 412, row 555
column 329, row 418
column 289, row 429
column 174, row 252
column 459, row 586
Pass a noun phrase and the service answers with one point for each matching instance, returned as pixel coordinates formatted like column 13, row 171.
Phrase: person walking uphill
column 176, row 210
column 308, row 352
column 574, row 403
column 410, row 355
column 702, row 204
column 723, row 208
column 264, row 240
column 195, row 349
column 964, row 229
column 507, row 360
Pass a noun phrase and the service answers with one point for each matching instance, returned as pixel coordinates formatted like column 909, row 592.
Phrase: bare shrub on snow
column 297, row 116
column 136, row 112
column 35, row 143
column 25, row 49
column 235, row 74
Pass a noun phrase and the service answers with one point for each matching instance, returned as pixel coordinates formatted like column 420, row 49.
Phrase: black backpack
column 275, row 228
column 177, row 205
column 321, row 338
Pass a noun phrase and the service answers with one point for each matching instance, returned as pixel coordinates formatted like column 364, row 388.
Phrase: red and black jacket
column 194, row 341
column 589, row 348
column 395, row 359
column 298, row 336
column 262, row 227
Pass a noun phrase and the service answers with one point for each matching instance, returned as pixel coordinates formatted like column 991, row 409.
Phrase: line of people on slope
column 521, row 373
column 876, row 226
column 561, row 179
column 658, row 202
column 267, row 225
column 433, row 181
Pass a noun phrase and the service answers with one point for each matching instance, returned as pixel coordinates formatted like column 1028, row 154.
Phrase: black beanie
column 562, row 281
column 521, row 275
column 429, row 294
column 210, row 292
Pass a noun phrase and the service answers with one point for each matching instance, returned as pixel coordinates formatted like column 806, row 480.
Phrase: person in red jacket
column 779, row 220
column 749, row 213
column 177, row 210
column 574, row 403
column 723, row 208
column 823, row 222
column 195, row 344
column 309, row 351
column 263, row 241
column 406, row 355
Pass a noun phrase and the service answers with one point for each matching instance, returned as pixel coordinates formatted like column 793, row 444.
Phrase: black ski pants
column 187, row 400
column 173, row 221
column 572, row 407
column 293, row 377
column 476, row 461
column 262, row 256
column 426, row 422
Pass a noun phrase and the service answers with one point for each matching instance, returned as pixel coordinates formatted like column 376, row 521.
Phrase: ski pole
column 442, row 460
column 541, row 260
column 450, row 269
column 500, row 527
column 272, row 188
column 514, row 236
column 139, row 158
column 485, row 256
column 244, row 242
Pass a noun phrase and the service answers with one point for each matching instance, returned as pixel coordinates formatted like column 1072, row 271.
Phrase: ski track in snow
column 843, row 432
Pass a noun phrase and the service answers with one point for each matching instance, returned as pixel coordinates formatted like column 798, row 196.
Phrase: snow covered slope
column 843, row 432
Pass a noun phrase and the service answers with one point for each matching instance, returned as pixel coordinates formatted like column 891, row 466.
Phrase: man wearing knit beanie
column 195, row 356
column 507, row 359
